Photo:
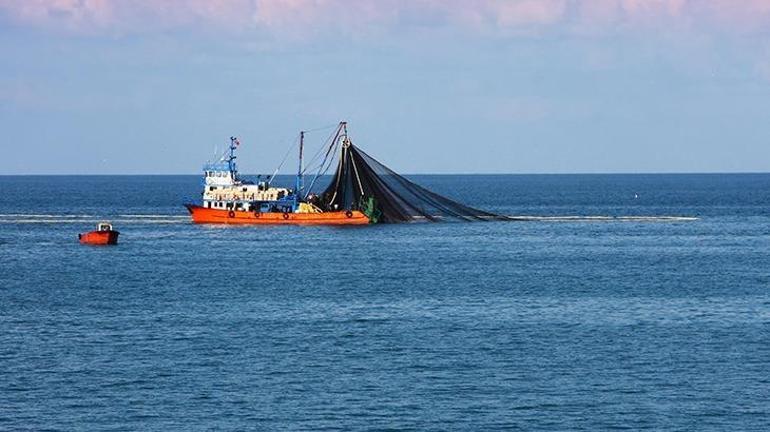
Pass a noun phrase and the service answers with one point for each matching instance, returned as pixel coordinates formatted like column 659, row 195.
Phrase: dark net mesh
column 362, row 183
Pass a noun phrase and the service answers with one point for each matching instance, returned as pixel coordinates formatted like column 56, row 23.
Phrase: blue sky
column 519, row 86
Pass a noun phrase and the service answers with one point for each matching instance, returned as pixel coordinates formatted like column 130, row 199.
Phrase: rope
column 358, row 178
column 333, row 145
column 322, row 128
column 318, row 153
column 339, row 175
column 286, row 156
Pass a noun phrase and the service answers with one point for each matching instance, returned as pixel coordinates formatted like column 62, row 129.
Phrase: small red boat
column 104, row 235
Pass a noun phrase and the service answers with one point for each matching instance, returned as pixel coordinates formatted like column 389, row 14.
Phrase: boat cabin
column 223, row 189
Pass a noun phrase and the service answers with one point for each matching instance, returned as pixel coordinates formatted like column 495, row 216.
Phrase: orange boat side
column 99, row 237
column 231, row 217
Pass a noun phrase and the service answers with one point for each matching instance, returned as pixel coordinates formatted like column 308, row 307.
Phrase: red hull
column 230, row 217
column 99, row 238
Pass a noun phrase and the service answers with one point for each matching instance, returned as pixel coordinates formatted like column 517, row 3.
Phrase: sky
column 427, row 86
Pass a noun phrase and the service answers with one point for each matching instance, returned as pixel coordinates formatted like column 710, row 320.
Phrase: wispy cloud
column 311, row 16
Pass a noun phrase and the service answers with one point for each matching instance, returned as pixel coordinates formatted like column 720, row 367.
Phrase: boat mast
column 231, row 159
column 299, row 171
column 345, row 139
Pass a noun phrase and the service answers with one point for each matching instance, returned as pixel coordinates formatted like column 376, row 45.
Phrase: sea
column 612, row 302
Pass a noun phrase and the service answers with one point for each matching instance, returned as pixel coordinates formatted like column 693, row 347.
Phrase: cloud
column 297, row 17
column 743, row 15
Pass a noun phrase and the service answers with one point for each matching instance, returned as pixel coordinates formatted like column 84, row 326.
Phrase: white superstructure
column 223, row 189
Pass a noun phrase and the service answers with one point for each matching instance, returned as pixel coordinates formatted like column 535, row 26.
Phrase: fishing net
column 362, row 183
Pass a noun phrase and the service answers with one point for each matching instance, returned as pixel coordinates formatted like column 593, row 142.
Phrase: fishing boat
column 229, row 199
column 103, row 235
column 361, row 191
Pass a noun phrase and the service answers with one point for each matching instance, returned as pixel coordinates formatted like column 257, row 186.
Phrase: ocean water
column 637, row 302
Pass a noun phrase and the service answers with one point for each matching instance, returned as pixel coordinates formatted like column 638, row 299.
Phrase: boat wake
column 21, row 218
